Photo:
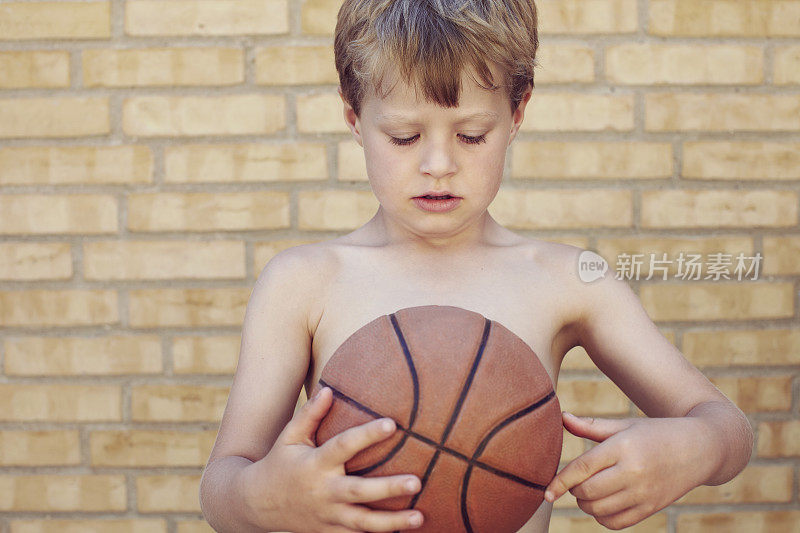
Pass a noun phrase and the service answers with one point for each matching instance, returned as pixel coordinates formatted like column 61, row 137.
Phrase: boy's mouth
column 444, row 195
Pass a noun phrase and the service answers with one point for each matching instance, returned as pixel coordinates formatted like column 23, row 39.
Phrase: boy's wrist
column 260, row 510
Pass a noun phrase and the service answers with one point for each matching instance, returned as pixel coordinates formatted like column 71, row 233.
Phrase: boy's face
column 460, row 150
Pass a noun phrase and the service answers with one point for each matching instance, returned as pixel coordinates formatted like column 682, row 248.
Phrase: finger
column 304, row 424
column 358, row 489
column 365, row 519
column 624, row 518
column 340, row 448
column 597, row 429
column 609, row 505
column 579, row 470
column 604, row 483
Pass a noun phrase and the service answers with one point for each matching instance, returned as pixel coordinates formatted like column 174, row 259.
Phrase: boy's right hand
column 307, row 487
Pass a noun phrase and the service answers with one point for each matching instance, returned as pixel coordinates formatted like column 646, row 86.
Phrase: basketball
column 476, row 414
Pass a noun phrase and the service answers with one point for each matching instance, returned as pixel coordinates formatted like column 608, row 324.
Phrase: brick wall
column 155, row 154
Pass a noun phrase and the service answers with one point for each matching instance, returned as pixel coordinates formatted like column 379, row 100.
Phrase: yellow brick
column 646, row 251
column 722, row 112
column 26, row 261
column 187, row 307
column 786, row 65
column 208, row 17
column 658, row 64
column 742, row 347
column 335, row 209
column 193, row 526
column 740, row 522
column 320, row 113
column 141, row 448
column 42, row 214
column 572, row 446
column 782, row 255
column 713, row 18
column 779, row 439
column 539, row 209
column 205, row 355
column 246, row 163
column 237, row 114
column 178, row 403
column 718, row 301
column 75, row 356
column 55, row 20
column 757, row 393
column 584, row 397
column 61, row 165
column 718, row 208
column 579, row 112
column 656, row 523
column 162, row 67
column 66, row 116
column 587, row 16
column 318, row 17
column 208, row 211
column 741, row 160
column 754, row 484
column 295, row 65
column 60, row 403
column 39, row 448
column 577, row 359
column 591, row 160
column 38, row 308
column 38, row 68
column 99, row 525
column 168, row 494
column 350, row 162
column 564, row 63
column 265, row 251
column 164, row 260
column 62, row 493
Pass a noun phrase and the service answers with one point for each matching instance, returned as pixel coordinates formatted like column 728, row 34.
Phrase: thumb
column 303, row 425
column 597, row 429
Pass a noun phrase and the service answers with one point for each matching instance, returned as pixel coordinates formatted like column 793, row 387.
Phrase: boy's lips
column 437, row 194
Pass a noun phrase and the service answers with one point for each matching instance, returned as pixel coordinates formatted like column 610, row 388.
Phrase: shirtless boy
column 435, row 97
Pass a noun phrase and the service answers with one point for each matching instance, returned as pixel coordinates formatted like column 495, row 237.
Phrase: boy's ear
column 519, row 115
column 351, row 119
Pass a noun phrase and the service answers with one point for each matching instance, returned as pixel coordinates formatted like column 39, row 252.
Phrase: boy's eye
column 467, row 139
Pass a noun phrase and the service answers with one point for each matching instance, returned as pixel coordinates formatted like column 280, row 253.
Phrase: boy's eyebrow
column 396, row 117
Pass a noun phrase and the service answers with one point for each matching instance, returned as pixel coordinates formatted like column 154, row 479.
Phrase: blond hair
column 431, row 42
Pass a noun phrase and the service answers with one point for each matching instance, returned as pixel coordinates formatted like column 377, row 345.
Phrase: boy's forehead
column 404, row 103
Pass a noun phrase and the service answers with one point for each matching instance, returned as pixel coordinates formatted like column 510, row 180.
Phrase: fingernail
column 386, row 425
column 570, row 415
column 548, row 496
column 415, row 520
column 316, row 396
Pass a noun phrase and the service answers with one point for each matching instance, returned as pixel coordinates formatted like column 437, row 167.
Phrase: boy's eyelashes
column 410, row 140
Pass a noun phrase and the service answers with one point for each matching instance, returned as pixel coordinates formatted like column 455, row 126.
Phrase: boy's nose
column 437, row 160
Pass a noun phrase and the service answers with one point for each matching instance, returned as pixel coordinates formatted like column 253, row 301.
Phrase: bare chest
column 511, row 292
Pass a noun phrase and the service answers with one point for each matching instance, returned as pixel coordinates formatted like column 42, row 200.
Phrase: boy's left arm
column 695, row 436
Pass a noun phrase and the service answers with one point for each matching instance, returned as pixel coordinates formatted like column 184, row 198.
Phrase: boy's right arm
column 264, row 473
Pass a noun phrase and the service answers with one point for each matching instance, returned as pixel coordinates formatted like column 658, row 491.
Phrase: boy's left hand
column 640, row 466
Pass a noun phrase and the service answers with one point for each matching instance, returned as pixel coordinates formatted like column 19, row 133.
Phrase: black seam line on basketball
column 464, row 513
column 409, row 433
column 465, row 388
column 411, row 368
column 469, row 460
column 362, row 407
column 456, row 410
